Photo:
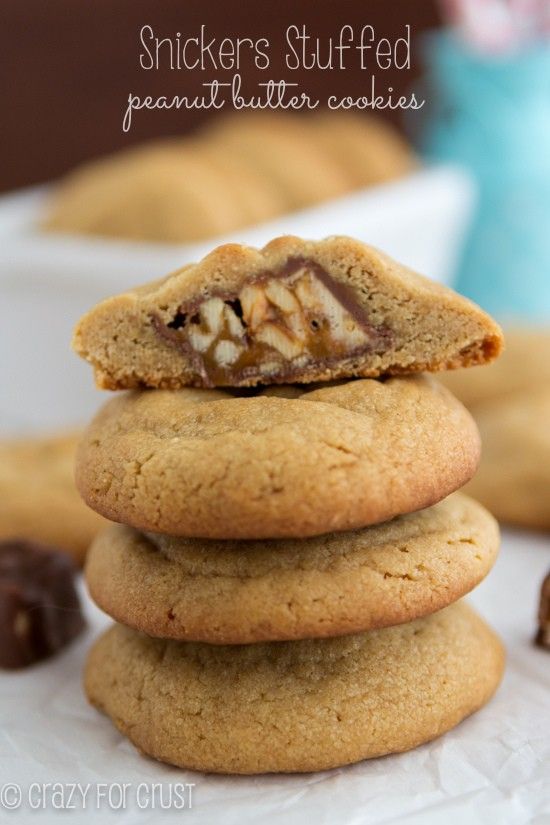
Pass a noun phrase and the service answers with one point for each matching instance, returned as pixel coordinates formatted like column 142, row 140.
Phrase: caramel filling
column 276, row 328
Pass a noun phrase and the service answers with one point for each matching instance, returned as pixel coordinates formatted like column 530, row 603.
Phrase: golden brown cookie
column 165, row 191
column 524, row 365
column 38, row 498
column 236, row 592
column 295, row 706
column 369, row 148
column 294, row 311
column 513, row 480
column 280, row 148
column 258, row 199
column 202, row 463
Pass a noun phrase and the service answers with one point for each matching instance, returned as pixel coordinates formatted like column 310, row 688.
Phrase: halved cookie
column 203, row 463
column 238, row 592
column 295, row 311
column 295, row 706
column 523, row 368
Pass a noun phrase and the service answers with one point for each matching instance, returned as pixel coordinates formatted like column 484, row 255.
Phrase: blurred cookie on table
column 513, row 479
column 524, row 364
column 510, row 401
column 38, row 497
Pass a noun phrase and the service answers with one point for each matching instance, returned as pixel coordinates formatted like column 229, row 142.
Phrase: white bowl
column 48, row 281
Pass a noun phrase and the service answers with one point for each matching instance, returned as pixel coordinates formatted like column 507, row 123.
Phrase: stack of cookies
column 289, row 561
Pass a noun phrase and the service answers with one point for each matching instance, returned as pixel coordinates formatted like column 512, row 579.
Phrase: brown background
column 68, row 66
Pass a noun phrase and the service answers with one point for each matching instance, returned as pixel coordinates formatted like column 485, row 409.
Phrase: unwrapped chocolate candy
column 543, row 635
column 39, row 605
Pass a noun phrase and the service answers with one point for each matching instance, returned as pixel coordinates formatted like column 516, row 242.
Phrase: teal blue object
column 493, row 116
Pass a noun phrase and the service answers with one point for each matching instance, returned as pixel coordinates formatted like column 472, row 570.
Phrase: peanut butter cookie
column 203, row 463
column 295, row 706
column 368, row 148
column 513, row 479
column 166, row 191
column 38, row 497
column 237, row 592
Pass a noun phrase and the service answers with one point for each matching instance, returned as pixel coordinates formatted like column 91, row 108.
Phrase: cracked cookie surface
column 203, row 463
column 295, row 311
column 295, row 706
column 238, row 592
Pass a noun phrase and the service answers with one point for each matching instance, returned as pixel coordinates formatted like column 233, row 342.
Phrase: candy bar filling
column 276, row 327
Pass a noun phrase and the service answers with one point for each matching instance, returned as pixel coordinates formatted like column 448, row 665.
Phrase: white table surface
column 493, row 769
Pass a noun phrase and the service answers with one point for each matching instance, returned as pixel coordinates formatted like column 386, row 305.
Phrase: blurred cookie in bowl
column 283, row 149
column 369, row 149
column 165, row 191
column 241, row 170
column 258, row 198
column 38, row 497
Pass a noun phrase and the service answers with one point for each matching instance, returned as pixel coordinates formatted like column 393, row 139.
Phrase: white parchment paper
column 493, row 769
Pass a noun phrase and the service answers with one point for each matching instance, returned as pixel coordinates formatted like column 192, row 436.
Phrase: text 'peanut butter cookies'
column 295, row 311
column 295, row 706
column 202, row 463
column 236, row 592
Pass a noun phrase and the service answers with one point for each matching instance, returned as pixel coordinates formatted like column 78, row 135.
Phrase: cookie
column 369, row 149
column 38, row 498
column 281, row 149
column 295, row 311
column 524, row 365
column 513, row 480
column 295, row 706
column 230, row 592
column 165, row 191
column 259, row 199
column 202, row 463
